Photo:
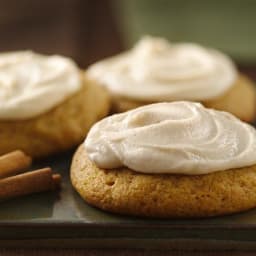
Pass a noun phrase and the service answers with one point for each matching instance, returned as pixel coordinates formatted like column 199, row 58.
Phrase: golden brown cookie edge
column 240, row 100
column 163, row 195
column 61, row 128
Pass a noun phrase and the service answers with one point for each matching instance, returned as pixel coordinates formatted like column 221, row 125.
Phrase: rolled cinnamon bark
column 57, row 180
column 28, row 183
column 14, row 163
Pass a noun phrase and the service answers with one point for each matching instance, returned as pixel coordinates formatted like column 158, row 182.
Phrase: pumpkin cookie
column 158, row 71
column 50, row 113
column 168, row 160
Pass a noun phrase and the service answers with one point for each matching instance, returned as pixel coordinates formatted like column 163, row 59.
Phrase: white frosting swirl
column 31, row 83
column 179, row 137
column 156, row 70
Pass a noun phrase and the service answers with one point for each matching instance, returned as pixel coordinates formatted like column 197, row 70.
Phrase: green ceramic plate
column 65, row 220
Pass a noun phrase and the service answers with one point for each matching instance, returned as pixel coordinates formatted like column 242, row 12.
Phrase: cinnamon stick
column 14, row 163
column 56, row 180
column 28, row 183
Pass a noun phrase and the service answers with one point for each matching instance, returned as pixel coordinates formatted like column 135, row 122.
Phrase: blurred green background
column 88, row 30
column 227, row 25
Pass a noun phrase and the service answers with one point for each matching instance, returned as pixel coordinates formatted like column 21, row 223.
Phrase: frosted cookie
column 168, row 160
column 46, row 104
column 156, row 71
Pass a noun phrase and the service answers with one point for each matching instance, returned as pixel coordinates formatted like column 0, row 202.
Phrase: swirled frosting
column 179, row 137
column 156, row 70
column 31, row 83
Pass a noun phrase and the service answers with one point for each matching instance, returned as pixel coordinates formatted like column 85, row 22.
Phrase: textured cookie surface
column 163, row 196
column 63, row 127
column 240, row 100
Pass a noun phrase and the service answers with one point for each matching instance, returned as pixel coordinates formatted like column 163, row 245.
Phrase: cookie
column 163, row 195
column 58, row 129
column 232, row 101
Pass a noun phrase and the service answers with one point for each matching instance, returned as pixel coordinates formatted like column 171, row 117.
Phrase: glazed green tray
column 65, row 220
